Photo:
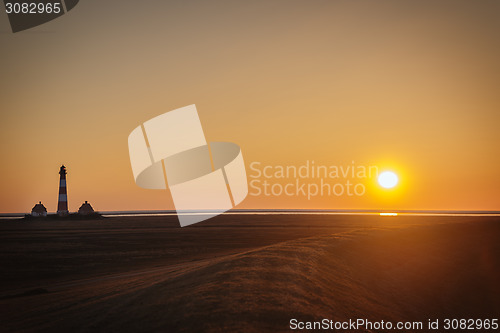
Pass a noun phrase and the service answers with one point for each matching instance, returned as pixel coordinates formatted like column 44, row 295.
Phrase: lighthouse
column 62, row 205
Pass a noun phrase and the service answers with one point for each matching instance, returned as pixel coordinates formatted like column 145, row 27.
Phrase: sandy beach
column 245, row 273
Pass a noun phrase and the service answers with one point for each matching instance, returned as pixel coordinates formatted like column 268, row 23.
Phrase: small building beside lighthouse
column 86, row 209
column 39, row 210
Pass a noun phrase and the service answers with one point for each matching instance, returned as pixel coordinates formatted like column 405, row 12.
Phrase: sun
column 388, row 179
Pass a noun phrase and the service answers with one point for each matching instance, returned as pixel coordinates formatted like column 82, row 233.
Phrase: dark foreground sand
column 245, row 273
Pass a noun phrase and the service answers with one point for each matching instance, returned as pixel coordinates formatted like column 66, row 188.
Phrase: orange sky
column 407, row 86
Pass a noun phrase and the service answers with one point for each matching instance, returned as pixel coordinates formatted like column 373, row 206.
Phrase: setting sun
column 388, row 179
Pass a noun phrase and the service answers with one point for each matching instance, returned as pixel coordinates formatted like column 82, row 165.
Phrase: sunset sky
column 408, row 86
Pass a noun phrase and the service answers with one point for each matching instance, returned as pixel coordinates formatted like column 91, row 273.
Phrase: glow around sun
column 388, row 179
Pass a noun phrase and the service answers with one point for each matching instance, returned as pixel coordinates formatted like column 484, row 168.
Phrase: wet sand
column 245, row 273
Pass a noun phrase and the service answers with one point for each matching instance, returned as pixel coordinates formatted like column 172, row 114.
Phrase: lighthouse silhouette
column 62, row 205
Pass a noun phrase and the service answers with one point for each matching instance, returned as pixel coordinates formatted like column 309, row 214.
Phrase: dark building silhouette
column 39, row 210
column 85, row 209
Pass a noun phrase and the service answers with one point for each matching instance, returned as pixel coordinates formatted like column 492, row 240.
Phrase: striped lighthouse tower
column 62, row 205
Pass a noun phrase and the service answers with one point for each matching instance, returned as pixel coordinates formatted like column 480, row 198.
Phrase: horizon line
column 283, row 210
